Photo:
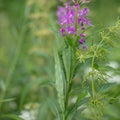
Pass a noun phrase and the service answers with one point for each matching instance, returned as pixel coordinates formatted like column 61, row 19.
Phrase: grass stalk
column 12, row 68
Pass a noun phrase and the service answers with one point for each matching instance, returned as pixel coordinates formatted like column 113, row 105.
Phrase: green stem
column 66, row 101
column 93, row 88
column 67, row 95
column 92, row 65
column 69, row 84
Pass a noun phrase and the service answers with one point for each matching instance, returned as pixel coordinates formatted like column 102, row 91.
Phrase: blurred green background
column 26, row 52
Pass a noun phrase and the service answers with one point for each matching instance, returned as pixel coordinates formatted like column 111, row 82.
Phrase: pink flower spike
column 70, row 16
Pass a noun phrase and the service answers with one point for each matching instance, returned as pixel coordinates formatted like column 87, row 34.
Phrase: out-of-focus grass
column 35, row 58
column 33, row 74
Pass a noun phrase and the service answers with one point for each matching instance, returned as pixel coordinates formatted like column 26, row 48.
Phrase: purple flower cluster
column 72, row 20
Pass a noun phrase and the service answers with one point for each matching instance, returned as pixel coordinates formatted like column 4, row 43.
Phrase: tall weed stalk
column 72, row 52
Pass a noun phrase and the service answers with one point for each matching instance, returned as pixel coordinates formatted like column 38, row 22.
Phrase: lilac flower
column 62, row 30
column 82, row 35
column 72, row 19
column 82, row 40
column 71, row 29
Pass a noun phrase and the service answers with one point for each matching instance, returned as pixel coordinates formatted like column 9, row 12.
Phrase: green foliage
column 27, row 63
column 13, row 117
column 60, row 81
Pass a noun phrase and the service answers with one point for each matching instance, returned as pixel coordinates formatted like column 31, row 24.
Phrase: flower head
column 72, row 19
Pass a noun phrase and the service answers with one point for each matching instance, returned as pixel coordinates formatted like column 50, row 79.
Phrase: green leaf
column 67, row 59
column 106, row 87
column 82, row 99
column 54, row 107
column 81, row 96
column 74, row 112
column 60, row 81
column 69, row 40
column 13, row 117
column 96, row 66
column 7, row 100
